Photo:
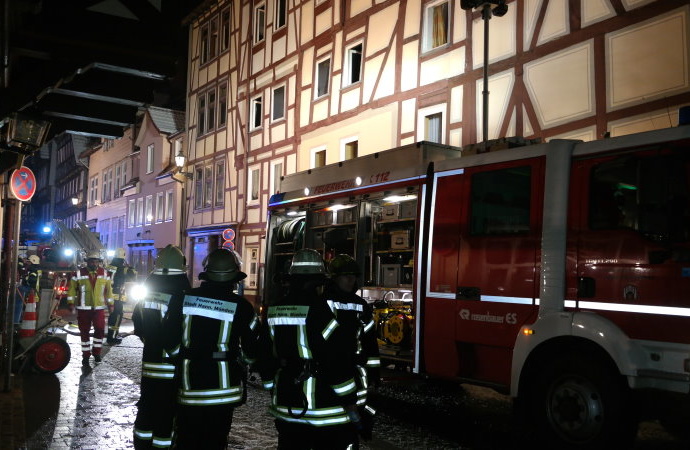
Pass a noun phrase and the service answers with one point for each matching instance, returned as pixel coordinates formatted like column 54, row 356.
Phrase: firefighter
column 121, row 273
column 356, row 324
column 214, row 334
column 91, row 289
column 153, row 427
column 314, row 390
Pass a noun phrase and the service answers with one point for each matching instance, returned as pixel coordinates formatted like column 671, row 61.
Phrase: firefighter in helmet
column 214, row 334
column 356, row 319
column 153, row 427
column 314, row 390
column 91, row 289
column 121, row 273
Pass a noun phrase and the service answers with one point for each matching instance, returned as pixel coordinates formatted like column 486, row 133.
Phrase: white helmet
column 34, row 259
column 94, row 254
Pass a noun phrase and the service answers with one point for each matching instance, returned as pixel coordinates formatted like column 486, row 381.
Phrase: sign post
column 21, row 187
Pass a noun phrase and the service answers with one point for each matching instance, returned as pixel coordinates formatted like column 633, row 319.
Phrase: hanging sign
column 23, row 184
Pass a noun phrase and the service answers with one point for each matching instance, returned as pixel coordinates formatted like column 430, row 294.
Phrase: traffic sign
column 23, row 184
column 228, row 239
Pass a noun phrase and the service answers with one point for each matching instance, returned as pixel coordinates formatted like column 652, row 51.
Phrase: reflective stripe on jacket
column 84, row 295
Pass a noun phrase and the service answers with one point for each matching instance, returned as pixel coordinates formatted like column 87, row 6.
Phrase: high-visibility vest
column 87, row 296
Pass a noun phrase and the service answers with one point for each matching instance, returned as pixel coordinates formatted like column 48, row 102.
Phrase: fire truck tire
column 51, row 355
column 580, row 403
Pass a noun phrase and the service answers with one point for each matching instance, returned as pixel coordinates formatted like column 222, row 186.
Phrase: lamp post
column 499, row 11
column 180, row 161
column 23, row 136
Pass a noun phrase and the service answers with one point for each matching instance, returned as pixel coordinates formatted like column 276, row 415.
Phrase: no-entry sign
column 23, row 184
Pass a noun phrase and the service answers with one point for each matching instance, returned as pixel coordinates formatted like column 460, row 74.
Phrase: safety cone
column 28, row 327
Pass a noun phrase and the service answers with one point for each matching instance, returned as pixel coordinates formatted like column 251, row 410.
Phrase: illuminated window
column 149, row 158
column 436, row 26
column 318, row 157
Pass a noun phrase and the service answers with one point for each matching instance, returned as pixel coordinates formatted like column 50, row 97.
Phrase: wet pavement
column 95, row 408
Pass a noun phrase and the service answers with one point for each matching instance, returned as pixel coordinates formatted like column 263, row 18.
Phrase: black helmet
column 343, row 265
column 307, row 262
column 170, row 259
column 222, row 265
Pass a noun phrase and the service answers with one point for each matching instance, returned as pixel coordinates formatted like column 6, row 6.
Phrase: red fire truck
column 557, row 272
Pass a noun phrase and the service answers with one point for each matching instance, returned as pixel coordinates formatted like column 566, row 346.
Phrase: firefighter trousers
column 203, row 427
column 300, row 436
column 115, row 319
column 86, row 318
column 153, row 427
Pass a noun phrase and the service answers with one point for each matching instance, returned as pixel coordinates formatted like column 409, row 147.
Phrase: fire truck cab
column 557, row 272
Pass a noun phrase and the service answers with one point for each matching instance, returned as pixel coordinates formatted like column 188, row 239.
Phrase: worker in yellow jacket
column 90, row 288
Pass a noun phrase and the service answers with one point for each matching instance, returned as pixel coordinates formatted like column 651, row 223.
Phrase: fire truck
column 557, row 272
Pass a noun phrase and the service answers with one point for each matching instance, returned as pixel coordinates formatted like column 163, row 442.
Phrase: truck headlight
column 138, row 292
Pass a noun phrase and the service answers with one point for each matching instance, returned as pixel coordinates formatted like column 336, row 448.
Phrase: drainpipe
column 5, row 42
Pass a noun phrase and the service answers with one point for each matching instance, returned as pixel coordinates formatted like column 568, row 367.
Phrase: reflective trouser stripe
column 141, row 434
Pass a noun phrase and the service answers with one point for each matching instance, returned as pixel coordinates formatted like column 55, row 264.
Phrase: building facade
column 280, row 86
column 133, row 200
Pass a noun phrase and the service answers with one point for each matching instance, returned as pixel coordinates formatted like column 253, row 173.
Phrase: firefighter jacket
column 120, row 273
column 302, row 361
column 213, row 333
column 162, row 289
column 90, row 290
column 357, row 332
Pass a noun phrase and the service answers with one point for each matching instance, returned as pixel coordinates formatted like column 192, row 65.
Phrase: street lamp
column 180, row 161
column 25, row 134
column 499, row 11
column 75, row 201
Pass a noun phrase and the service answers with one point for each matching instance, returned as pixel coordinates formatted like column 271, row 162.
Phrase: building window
column 93, row 191
column 149, row 158
column 198, row 187
column 132, row 213
column 222, row 105
column 259, row 23
column 208, row 186
column 202, row 114
column 436, row 26
column 204, row 42
column 323, row 71
column 168, row 206
column 276, row 174
column 104, row 227
column 160, row 207
column 433, row 127
column 349, row 149
column 149, row 209
column 140, row 211
column 281, row 13
column 253, row 185
column 120, row 232
column 225, row 30
column 107, row 185
column 116, row 184
column 353, row 65
column 219, row 197
column 278, row 111
column 257, row 112
column 318, row 157
column 211, row 110
column 213, row 39
column 123, row 172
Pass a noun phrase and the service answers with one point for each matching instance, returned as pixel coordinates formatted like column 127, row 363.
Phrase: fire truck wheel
column 581, row 403
column 51, row 355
